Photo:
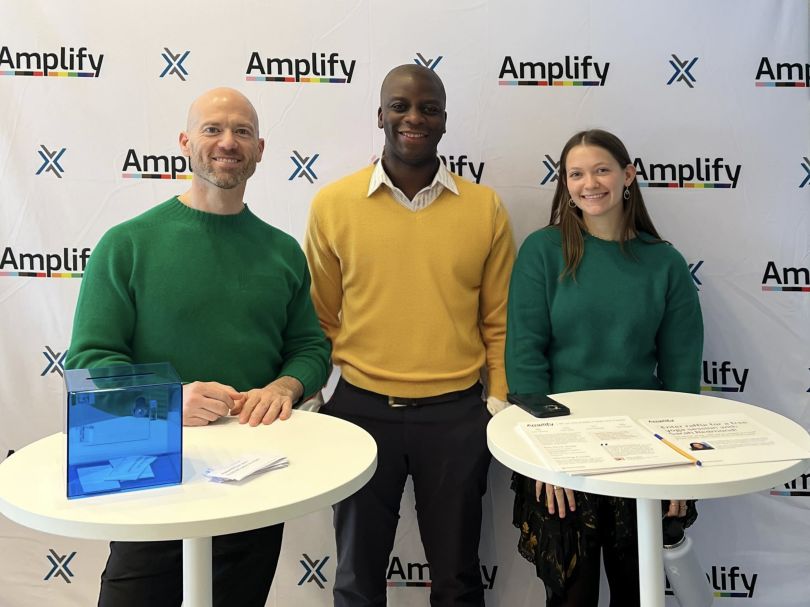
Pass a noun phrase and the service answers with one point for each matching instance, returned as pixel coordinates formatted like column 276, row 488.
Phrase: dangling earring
column 626, row 194
column 571, row 203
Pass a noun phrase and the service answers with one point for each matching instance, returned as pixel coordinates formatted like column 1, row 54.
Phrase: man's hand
column 495, row 405
column 206, row 401
column 265, row 405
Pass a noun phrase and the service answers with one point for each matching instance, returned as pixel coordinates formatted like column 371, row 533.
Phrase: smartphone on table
column 539, row 405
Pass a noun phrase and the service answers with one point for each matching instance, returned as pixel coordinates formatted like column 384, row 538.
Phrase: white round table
column 650, row 486
column 329, row 459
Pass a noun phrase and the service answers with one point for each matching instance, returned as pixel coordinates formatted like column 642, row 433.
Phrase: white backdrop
column 90, row 90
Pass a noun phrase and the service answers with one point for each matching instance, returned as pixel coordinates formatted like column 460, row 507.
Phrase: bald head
column 216, row 100
column 410, row 72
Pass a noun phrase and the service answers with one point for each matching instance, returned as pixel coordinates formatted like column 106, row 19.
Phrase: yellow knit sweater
column 413, row 302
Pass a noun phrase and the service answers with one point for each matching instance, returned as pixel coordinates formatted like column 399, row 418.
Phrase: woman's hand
column 558, row 495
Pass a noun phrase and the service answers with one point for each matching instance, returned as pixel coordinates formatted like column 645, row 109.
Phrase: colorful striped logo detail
column 293, row 79
column 782, row 84
column 408, row 584
column 674, row 184
column 788, row 289
column 48, row 74
column 43, row 274
column 731, row 595
column 546, row 83
column 718, row 389
column 154, row 176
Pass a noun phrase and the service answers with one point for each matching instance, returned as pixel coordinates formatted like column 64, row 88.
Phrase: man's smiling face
column 412, row 116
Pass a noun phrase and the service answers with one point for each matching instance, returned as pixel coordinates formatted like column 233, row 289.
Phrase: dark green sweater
column 222, row 297
column 630, row 320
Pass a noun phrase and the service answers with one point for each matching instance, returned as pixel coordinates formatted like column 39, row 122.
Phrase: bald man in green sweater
column 202, row 282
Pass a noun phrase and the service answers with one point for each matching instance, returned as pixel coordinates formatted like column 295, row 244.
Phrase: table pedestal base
column 650, row 552
column 197, row 572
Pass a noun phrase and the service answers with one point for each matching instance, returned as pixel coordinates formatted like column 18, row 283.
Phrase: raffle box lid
column 124, row 428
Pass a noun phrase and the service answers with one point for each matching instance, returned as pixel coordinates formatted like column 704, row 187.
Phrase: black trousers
column 443, row 448
column 150, row 573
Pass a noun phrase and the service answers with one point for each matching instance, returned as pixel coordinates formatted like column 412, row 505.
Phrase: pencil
column 679, row 450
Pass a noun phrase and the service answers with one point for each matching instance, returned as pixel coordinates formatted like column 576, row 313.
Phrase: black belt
column 402, row 401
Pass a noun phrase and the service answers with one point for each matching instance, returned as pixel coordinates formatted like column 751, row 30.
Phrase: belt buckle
column 398, row 403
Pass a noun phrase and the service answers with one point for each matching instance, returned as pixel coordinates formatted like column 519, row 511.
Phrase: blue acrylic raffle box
column 124, row 428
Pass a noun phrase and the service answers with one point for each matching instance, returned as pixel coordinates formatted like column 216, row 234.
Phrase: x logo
column 313, row 570
column 50, row 161
column 682, row 73
column 551, row 167
column 60, row 566
column 428, row 63
column 56, row 361
column 806, row 167
column 174, row 64
column 303, row 167
column 693, row 268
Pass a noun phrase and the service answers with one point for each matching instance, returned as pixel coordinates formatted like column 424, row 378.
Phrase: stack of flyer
column 246, row 466
column 598, row 445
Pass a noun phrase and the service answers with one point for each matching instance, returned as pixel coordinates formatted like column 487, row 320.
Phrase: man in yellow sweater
column 410, row 267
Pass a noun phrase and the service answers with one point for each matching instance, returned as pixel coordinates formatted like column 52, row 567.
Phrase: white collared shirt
column 424, row 197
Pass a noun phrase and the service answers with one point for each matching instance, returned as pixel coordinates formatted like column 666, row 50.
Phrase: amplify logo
column 50, row 161
column 457, row 165
column 682, row 71
column 693, row 270
column 726, row 584
column 428, row 63
column 317, row 68
column 312, row 570
column 788, row 279
column 704, row 173
column 552, row 168
column 717, row 376
column 732, row 583
column 155, row 167
column 59, row 566
column 303, row 167
column 67, row 63
column 785, row 74
column 56, row 362
column 572, row 71
column 174, row 64
column 69, row 264
column 799, row 486
column 418, row 575
column 806, row 167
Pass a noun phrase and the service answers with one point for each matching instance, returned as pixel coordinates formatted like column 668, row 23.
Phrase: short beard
column 229, row 182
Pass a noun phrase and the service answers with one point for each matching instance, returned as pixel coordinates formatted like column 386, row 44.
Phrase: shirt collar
column 380, row 177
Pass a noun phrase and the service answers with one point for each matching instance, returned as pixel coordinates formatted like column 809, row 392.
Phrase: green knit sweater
column 221, row 297
column 630, row 319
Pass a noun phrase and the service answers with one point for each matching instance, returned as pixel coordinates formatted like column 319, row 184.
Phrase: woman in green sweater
column 597, row 301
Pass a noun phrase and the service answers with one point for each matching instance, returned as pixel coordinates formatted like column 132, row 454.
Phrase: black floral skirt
column 554, row 544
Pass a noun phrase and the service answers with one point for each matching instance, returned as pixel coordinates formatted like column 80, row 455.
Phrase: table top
column 329, row 460
column 510, row 448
